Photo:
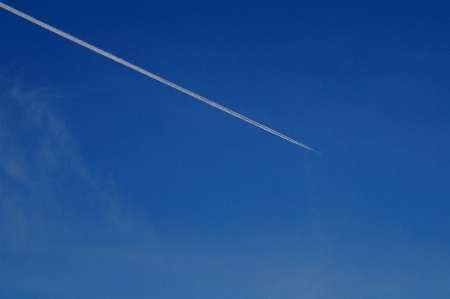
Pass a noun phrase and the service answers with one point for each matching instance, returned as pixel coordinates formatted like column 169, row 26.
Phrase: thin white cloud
column 46, row 189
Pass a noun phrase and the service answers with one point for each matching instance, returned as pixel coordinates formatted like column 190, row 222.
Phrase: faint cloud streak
column 47, row 192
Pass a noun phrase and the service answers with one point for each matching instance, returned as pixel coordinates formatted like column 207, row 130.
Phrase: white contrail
column 153, row 76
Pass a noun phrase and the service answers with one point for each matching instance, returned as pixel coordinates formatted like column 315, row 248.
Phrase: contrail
column 153, row 76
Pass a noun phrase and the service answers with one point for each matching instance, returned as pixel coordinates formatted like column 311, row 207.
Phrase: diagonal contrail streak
column 153, row 76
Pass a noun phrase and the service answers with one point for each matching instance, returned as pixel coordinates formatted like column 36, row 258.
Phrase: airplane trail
column 153, row 76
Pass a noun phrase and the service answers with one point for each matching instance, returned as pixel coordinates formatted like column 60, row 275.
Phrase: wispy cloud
column 46, row 188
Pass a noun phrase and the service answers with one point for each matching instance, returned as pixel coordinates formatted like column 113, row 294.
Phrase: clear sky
column 113, row 185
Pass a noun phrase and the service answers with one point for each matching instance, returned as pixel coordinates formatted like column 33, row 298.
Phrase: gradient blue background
column 113, row 185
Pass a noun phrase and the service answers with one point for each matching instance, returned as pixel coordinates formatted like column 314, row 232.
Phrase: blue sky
column 113, row 185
